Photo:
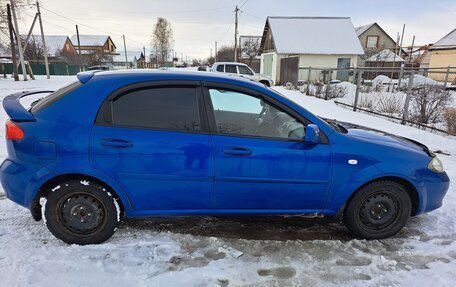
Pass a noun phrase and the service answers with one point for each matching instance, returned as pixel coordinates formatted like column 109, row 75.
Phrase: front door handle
column 237, row 151
column 117, row 143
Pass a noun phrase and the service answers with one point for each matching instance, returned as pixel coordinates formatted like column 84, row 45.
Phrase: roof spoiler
column 16, row 110
column 84, row 77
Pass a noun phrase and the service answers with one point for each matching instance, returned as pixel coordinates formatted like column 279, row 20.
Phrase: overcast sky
column 197, row 24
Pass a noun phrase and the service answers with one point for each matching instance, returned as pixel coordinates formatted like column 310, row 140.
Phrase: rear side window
column 54, row 97
column 230, row 69
column 220, row 68
column 171, row 108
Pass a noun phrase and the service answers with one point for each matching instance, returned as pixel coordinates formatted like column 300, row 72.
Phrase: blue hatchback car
column 123, row 144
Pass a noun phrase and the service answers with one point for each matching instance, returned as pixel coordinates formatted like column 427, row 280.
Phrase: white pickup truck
column 241, row 70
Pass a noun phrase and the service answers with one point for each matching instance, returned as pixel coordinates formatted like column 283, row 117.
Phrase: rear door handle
column 237, row 151
column 117, row 143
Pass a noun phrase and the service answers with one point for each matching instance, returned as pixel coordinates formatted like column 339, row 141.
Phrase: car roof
column 229, row 63
column 165, row 75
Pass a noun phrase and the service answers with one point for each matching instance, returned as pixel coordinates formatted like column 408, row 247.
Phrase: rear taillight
column 13, row 131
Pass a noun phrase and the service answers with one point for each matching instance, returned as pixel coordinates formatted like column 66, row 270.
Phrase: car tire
column 266, row 83
column 81, row 212
column 378, row 210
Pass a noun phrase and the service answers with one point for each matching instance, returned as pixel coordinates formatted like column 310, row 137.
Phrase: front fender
column 343, row 187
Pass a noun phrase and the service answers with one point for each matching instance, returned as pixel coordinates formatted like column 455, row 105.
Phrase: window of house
column 243, row 70
column 172, row 108
column 372, row 42
column 230, row 69
column 241, row 114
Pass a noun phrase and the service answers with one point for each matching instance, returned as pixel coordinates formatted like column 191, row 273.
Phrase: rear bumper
column 21, row 181
column 433, row 190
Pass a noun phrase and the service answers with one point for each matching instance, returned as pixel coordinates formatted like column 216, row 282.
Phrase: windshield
column 322, row 120
column 336, row 125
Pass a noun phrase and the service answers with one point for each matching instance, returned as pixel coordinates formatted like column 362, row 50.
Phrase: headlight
column 435, row 165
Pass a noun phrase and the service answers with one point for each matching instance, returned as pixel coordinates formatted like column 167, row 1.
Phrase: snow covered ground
column 235, row 251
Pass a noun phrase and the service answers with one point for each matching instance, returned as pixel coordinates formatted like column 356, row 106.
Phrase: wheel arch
column 408, row 186
column 46, row 187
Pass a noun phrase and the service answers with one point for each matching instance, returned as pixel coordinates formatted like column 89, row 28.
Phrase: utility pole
column 79, row 49
column 411, row 50
column 402, row 40
column 125, row 50
column 42, row 39
column 13, row 46
column 235, row 33
column 215, row 58
column 407, row 99
column 18, row 40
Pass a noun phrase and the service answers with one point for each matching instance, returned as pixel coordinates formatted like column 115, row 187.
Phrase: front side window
column 230, row 69
column 220, row 68
column 171, row 108
column 372, row 42
column 241, row 114
column 243, row 70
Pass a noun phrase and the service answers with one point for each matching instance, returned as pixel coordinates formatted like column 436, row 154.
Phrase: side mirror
column 312, row 134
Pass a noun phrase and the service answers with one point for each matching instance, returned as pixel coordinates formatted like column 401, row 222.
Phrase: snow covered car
column 126, row 144
column 241, row 70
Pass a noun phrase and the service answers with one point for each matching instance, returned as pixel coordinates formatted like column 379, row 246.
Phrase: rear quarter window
column 54, row 97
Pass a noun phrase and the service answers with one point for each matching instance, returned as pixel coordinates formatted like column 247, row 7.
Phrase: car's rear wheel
column 81, row 212
column 266, row 83
column 378, row 210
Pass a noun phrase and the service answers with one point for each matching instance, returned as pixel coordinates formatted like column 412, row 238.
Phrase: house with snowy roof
column 95, row 48
column 383, row 59
column 290, row 44
column 374, row 39
column 443, row 54
column 59, row 49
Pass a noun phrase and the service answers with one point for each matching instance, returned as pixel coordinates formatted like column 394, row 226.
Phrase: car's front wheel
column 378, row 210
column 81, row 212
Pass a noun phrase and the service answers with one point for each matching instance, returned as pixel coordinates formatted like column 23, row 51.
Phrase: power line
column 87, row 26
column 243, row 4
column 251, row 15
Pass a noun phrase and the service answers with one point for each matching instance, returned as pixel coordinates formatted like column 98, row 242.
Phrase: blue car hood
column 384, row 138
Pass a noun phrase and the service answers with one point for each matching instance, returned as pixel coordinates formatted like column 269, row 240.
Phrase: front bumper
column 432, row 190
column 21, row 181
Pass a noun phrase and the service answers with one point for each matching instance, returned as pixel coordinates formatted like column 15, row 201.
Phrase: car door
column 245, row 72
column 261, row 160
column 153, row 140
column 231, row 69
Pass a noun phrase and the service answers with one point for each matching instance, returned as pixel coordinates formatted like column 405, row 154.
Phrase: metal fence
column 402, row 80
column 61, row 69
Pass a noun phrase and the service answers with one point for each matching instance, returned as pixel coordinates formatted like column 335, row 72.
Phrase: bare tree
column 428, row 103
column 96, row 59
column 210, row 61
column 34, row 51
column 250, row 47
column 4, row 34
column 67, row 57
column 225, row 54
column 162, row 40
column 449, row 115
